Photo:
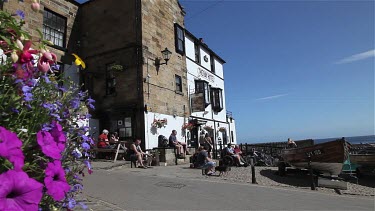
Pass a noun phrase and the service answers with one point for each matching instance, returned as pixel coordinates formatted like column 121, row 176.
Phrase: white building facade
column 205, row 80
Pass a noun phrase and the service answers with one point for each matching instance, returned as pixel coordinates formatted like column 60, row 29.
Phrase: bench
column 120, row 149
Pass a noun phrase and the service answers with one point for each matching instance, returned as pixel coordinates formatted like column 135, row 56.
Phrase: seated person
column 204, row 162
column 114, row 138
column 103, row 140
column 229, row 151
column 136, row 153
column 291, row 143
column 180, row 146
column 238, row 152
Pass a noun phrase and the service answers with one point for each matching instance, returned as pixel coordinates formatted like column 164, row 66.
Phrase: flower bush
column 159, row 123
column 222, row 129
column 188, row 126
column 208, row 127
column 41, row 146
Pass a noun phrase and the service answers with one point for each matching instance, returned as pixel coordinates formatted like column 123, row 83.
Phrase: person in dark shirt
column 180, row 146
column 204, row 162
column 137, row 153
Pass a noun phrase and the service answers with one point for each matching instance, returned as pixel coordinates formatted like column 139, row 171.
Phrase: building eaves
column 204, row 45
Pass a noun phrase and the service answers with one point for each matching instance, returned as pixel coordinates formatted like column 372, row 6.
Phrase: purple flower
column 55, row 181
column 75, row 103
column 21, row 14
column 85, row 146
column 49, row 146
column 10, row 148
column 46, row 79
column 14, row 110
column 58, row 133
column 19, row 192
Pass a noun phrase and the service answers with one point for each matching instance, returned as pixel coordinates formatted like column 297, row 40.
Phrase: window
column 54, row 28
column 217, row 99
column 203, row 87
column 126, row 129
column 197, row 53
column 212, row 64
column 110, row 80
column 179, row 39
column 178, row 83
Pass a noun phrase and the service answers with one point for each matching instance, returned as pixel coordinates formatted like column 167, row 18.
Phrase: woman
column 208, row 144
column 136, row 153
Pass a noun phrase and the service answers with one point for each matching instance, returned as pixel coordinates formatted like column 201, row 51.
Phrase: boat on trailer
column 325, row 157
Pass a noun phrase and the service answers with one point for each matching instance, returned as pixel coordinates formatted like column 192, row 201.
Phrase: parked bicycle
column 260, row 159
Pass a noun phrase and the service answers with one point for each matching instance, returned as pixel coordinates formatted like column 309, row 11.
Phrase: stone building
column 133, row 34
column 138, row 92
column 57, row 20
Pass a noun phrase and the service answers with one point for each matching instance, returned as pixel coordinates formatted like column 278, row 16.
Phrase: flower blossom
column 19, row 192
column 55, row 181
column 52, row 142
column 10, row 148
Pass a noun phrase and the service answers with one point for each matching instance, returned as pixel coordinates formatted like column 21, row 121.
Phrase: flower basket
column 222, row 129
column 188, row 126
column 159, row 123
column 208, row 127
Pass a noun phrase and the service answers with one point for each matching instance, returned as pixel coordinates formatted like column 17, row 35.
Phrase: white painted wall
column 189, row 48
column 219, row 69
column 174, row 123
column 205, row 64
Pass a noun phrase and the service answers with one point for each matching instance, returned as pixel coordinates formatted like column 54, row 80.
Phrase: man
column 291, row 143
column 204, row 162
column 180, row 146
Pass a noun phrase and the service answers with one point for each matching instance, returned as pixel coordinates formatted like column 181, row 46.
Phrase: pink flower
column 19, row 192
column 45, row 61
column 35, row 6
column 10, row 148
column 55, row 181
column 52, row 142
column 26, row 54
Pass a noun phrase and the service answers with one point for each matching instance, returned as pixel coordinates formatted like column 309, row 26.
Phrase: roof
column 205, row 46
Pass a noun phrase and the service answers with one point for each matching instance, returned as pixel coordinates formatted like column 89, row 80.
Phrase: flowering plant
column 208, row 127
column 188, row 126
column 222, row 129
column 159, row 123
column 40, row 142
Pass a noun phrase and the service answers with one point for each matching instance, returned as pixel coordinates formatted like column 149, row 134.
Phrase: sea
column 369, row 139
column 352, row 139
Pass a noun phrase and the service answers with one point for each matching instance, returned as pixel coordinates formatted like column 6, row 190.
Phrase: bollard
column 311, row 173
column 252, row 163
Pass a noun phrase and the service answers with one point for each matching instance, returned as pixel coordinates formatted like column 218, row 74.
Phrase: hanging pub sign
column 197, row 102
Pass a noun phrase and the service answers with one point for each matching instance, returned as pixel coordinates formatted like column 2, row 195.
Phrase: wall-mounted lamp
column 166, row 56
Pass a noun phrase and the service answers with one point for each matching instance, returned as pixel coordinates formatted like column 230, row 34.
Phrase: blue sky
column 299, row 69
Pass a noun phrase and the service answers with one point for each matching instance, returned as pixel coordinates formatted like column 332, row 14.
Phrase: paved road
column 164, row 188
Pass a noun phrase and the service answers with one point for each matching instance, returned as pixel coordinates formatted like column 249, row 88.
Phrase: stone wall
column 158, row 18
column 34, row 20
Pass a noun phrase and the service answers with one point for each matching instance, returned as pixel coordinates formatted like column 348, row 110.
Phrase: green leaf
column 6, row 40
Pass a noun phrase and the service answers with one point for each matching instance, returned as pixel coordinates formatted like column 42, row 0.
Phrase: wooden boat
column 363, row 159
column 326, row 157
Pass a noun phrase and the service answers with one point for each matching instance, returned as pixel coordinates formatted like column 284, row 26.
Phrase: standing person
column 180, row 146
column 201, row 138
column 204, row 162
column 137, row 153
column 208, row 144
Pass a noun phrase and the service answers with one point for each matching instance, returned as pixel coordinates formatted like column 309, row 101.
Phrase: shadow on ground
column 293, row 177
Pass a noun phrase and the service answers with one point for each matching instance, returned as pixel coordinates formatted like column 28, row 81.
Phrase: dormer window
column 203, row 87
column 217, row 99
column 212, row 64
